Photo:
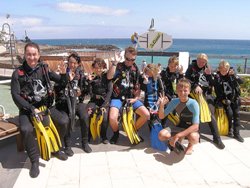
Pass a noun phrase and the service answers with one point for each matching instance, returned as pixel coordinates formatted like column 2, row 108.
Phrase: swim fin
column 222, row 121
column 92, row 125
column 205, row 114
column 154, row 139
column 47, row 136
column 131, row 125
column 42, row 138
column 99, row 121
column 174, row 118
column 125, row 125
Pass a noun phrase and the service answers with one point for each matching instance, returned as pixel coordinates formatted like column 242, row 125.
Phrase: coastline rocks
column 49, row 49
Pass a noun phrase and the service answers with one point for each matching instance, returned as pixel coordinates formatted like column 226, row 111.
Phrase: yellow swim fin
column 131, row 124
column 125, row 125
column 93, row 125
column 47, row 135
column 222, row 121
column 55, row 141
column 42, row 139
column 99, row 123
column 205, row 114
column 174, row 118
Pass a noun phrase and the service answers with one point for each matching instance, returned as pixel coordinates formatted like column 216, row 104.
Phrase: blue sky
column 204, row 19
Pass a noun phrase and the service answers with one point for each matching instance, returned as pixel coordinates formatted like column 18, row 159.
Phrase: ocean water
column 235, row 51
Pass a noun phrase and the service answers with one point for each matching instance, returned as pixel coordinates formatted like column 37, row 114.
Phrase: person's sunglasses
column 128, row 59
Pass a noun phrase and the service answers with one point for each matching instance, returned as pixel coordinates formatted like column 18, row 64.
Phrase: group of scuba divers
column 50, row 101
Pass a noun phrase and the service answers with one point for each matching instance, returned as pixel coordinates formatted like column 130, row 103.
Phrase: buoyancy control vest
column 152, row 91
column 35, row 84
column 227, row 87
column 198, row 77
column 168, row 79
column 125, row 81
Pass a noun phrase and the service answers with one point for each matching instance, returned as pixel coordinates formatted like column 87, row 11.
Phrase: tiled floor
column 145, row 167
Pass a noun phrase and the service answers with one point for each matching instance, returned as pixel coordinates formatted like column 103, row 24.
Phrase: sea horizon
column 193, row 46
column 129, row 38
column 235, row 51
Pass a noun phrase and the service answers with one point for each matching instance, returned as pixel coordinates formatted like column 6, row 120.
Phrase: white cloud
column 23, row 21
column 90, row 9
column 177, row 19
column 29, row 22
column 44, row 31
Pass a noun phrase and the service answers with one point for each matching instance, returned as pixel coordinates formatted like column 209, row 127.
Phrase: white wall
column 184, row 60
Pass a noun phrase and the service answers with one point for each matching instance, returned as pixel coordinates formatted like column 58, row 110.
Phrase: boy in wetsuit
column 200, row 75
column 100, row 90
column 151, row 84
column 188, row 111
column 171, row 75
column 126, row 87
column 227, row 88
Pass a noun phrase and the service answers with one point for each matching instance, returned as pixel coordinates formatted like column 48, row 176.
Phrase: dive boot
column 86, row 148
column 114, row 138
column 105, row 140
column 238, row 138
column 218, row 143
column 68, row 151
column 34, row 170
column 230, row 133
column 60, row 155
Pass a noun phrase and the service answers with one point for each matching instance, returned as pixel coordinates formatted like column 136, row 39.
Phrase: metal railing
column 240, row 63
column 11, row 42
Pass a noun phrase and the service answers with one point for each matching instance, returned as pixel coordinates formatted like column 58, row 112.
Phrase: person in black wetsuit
column 126, row 87
column 100, row 90
column 170, row 76
column 200, row 75
column 188, row 111
column 227, row 89
column 31, row 89
column 66, row 100
column 80, row 109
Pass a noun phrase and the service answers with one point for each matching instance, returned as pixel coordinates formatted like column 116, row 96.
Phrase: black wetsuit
column 187, row 111
column 168, row 79
column 198, row 77
column 82, row 83
column 227, row 90
column 81, row 109
column 65, row 103
column 30, row 89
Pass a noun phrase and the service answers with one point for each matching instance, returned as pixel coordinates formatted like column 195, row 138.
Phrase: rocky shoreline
column 57, row 50
column 49, row 49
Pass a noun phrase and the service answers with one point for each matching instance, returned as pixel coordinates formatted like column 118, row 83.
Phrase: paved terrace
column 123, row 165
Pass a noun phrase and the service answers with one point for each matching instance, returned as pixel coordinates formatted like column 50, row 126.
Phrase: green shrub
column 245, row 87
